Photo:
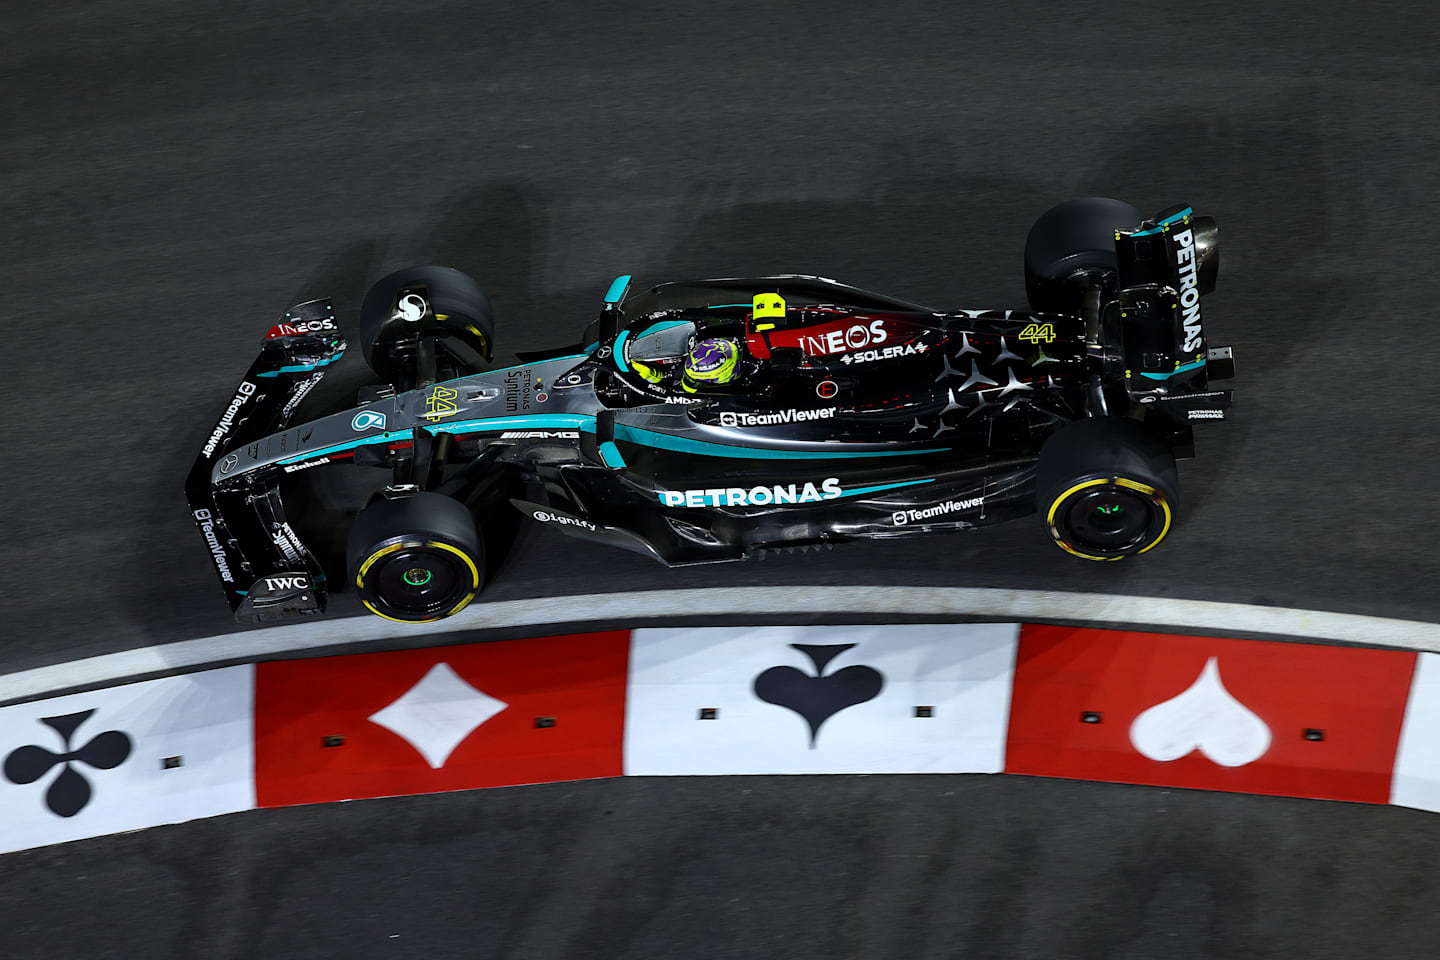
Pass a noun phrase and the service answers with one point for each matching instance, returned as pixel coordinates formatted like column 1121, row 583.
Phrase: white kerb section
column 127, row 757
column 1416, row 780
column 928, row 698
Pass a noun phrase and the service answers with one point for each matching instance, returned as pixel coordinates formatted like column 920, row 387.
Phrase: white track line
column 743, row 605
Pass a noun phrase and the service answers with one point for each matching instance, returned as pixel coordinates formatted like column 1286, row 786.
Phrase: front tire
column 1107, row 488
column 416, row 559
column 458, row 311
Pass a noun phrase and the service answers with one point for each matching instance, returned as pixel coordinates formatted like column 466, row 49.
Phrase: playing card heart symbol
column 818, row 698
column 1206, row 718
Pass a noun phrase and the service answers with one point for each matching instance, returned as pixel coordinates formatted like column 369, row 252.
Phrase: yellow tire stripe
column 1146, row 489
column 365, row 567
column 392, row 548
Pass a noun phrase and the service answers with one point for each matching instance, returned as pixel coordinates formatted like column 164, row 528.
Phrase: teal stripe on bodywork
column 539, row 421
column 618, row 351
column 617, row 287
column 856, row 491
column 636, row 435
column 1173, row 218
column 611, row 455
column 299, row 367
column 542, row 421
column 707, row 448
column 1192, row 365
column 663, row 325
column 534, row 363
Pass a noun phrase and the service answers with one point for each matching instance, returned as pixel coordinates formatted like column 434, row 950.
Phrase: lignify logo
column 367, row 419
column 544, row 516
column 828, row 489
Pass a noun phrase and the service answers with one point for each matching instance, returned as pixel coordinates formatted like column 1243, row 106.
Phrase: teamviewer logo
column 728, row 419
column 899, row 518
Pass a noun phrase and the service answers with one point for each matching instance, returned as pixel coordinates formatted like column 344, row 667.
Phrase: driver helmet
column 711, row 363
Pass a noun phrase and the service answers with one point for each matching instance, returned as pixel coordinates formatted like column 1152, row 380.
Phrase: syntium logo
column 1189, row 289
column 828, row 489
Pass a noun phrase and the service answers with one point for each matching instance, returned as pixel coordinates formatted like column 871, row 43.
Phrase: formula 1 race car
column 842, row 415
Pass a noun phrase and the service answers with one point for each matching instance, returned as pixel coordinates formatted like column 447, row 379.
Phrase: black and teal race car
column 853, row 416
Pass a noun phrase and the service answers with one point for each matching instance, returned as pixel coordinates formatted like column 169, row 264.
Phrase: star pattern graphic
column 1006, row 354
column 976, row 378
column 989, row 393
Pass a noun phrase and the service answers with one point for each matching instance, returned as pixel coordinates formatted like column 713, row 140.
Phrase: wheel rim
column 1108, row 519
column 415, row 581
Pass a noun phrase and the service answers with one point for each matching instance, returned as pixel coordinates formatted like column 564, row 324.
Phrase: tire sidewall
column 1099, row 453
column 426, row 522
column 453, row 295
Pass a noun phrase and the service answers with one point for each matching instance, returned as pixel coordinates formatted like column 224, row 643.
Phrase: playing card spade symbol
column 69, row 792
column 818, row 698
column 1206, row 717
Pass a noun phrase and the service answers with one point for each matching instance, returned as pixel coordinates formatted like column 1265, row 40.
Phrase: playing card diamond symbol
column 1206, row 717
column 70, row 791
column 438, row 713
column 818, row 698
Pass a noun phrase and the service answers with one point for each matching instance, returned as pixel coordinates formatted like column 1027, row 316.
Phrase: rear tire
column 1107, row 488
column 1075, row 237
column 415, row 559
column 461, row 312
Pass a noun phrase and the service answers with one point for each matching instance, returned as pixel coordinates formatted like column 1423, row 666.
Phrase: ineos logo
column 285, row 583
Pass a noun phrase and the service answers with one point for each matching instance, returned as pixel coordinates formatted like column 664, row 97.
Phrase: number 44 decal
column 1037, row 332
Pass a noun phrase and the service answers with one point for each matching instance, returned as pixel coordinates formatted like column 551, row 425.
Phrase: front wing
column 266, row 572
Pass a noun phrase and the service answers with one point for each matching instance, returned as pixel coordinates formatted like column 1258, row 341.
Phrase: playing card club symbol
column 70, row 792
column 1206, row 717
column 818, row 698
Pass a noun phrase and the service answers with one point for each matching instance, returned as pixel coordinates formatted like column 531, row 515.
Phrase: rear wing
column 1165, row 266
column 264, row 569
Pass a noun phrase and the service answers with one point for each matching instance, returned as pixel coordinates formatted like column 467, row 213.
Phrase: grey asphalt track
column 749, row 867
column 173, row 175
